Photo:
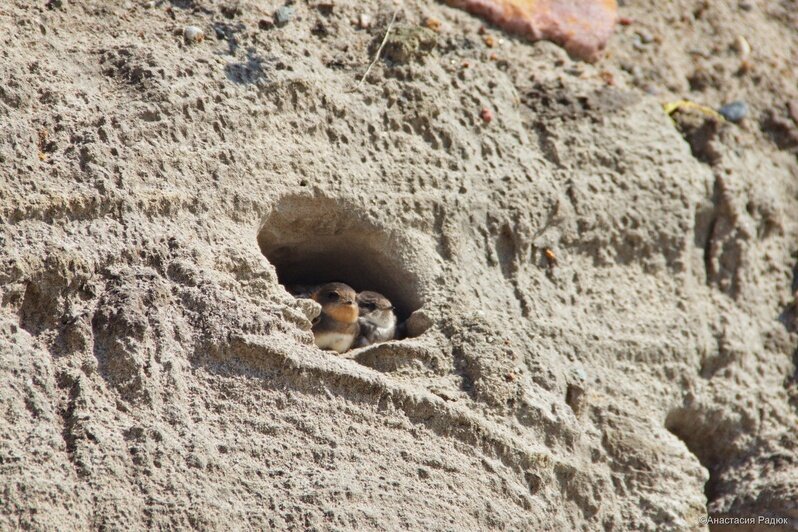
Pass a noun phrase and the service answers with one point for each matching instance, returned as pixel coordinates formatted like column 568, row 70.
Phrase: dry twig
column 379, row 50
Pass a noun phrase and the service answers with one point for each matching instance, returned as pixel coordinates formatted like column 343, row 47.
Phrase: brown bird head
column 337, row 300
column 370, row 301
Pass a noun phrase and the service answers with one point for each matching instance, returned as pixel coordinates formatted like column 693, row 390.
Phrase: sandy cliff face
column 604, row 331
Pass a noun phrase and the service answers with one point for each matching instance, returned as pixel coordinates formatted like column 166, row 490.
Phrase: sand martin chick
column 302, row 291
column 337, row 326
column 377, row 319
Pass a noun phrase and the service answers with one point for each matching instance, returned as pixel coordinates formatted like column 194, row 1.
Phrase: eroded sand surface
column 611, row 322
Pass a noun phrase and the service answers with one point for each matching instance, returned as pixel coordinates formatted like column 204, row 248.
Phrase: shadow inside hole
column 689, row 427
column 319, row 240
column 789, row 314
column 789, row 319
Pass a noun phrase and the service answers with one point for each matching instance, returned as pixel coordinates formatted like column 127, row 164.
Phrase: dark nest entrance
column 318, row 240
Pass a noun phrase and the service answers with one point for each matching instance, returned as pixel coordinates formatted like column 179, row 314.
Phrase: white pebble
column 742, row 47
column 193, row 34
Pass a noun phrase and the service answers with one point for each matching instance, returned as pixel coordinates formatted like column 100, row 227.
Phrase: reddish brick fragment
column 582, row 27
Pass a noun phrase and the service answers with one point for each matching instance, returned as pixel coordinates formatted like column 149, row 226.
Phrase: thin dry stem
column 379, row 50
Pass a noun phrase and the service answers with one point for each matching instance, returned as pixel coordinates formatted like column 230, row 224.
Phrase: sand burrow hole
column 312, row 240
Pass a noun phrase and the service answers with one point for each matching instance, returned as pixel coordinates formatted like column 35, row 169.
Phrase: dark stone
column 734, row 111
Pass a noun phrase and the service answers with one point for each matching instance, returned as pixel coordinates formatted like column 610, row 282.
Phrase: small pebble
column 486, row 115
column 579, row 374
column 742, row 47
column 283, row 15
column 364, row 21
column 193, row 34
column 641, row 42
column 734, row 111
column 645, row 37
column 266, row 23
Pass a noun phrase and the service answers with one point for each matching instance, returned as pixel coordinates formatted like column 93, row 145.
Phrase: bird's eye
column 333, row 296
column 371, row 306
